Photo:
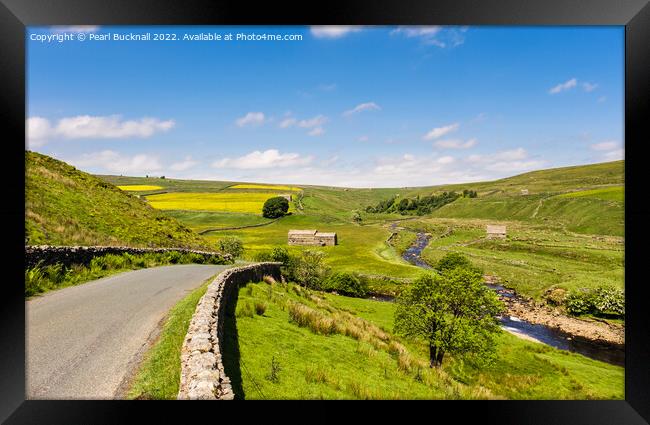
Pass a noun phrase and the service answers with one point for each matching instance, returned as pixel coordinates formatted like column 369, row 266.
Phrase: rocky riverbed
column 598, row 332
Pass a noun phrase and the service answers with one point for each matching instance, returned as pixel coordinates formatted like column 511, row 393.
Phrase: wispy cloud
column 610, row 150
column 314, row 124
column 589, row 87
column 606, row 145
column 368, row 106
column 251, row 119
column 433, row 35
column 569, row 84
column 333, row 31
column 455, row 144
column 438, row 132
column 40, row 130
column 316, row 131
column 266, row 159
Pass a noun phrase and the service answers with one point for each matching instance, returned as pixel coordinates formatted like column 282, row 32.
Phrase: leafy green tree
column 454, row 312
column 451, row 260
column 231, row 245
column 356, row 217
column 310, row 269
column 275, row 207
column 347, row 284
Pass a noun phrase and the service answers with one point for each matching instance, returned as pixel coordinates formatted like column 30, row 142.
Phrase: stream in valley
column 541, row 333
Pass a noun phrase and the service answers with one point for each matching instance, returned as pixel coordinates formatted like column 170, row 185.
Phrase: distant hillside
column 65, row 206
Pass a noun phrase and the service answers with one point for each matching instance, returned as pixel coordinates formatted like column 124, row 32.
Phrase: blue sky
column 345, row 106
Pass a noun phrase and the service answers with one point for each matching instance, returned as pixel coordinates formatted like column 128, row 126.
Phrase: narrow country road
column 82, row 342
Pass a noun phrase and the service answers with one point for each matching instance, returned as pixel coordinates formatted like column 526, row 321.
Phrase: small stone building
column 496, row 231
column 524, row 191
column 311, row 238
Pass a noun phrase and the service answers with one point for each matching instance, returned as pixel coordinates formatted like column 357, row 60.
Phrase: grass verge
column 159, row 374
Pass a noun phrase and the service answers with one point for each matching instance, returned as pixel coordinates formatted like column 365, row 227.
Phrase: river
column 537, row 332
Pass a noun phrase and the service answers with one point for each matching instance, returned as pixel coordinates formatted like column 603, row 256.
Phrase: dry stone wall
column 202, row 371
column 68, row 255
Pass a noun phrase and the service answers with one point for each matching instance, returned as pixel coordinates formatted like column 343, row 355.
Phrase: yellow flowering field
column 265, row 186
column 221, row 201
column 139, row 187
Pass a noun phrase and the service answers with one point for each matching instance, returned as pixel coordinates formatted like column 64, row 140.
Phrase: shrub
column 275, row 207
column 309, row 269
column 602, row 301
column 231, row 245
column 452, row 260
column 347, row 284
column 273, row 375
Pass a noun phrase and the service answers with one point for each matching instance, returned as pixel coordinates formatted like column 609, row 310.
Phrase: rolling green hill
column 65, row 206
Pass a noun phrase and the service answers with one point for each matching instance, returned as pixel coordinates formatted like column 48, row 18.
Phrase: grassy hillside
column 271, row 356
column 65, row 206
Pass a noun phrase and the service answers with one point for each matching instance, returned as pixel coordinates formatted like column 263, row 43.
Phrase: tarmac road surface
column 84, row 342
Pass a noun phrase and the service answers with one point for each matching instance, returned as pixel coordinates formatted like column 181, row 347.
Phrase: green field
column 566, row 233
column 371, row 364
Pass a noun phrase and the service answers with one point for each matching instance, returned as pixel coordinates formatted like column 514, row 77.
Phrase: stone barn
column 311, row 238
column 524, row 191
column 496, row 231
column 286, row 196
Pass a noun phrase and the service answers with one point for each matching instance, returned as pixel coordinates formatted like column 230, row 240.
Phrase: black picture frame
column 15, row 15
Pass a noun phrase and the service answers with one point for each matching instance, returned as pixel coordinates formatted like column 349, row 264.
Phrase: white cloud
column 607, row 145
column 40, row 130
column 509, row 161
column 183, row 165
column 267, row 159
column 288, row 122
column 433, row 35
column 363, row 138
column 116, row 163
column 368, row 106
column 441, row 131
column 315, row 124
column 317, row 131
column 252, row 119
column 445, row 160
column 316, row 121
column 611, row 149
column 417, row 31
column 75, row 28
column 455, row 144
column 615, row 154
column 564, row 86
column 588, row 87
column 333, row 31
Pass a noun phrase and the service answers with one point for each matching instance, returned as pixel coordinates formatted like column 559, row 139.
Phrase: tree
column 231, row 245
column 453, row 311
column 451, row 260
column 356, row 217
column 275, row 207
column 310, row 269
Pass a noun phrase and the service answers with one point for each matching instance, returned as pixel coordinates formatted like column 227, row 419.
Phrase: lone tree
column 453, row 311
column 275, row 207
column 356, row 217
